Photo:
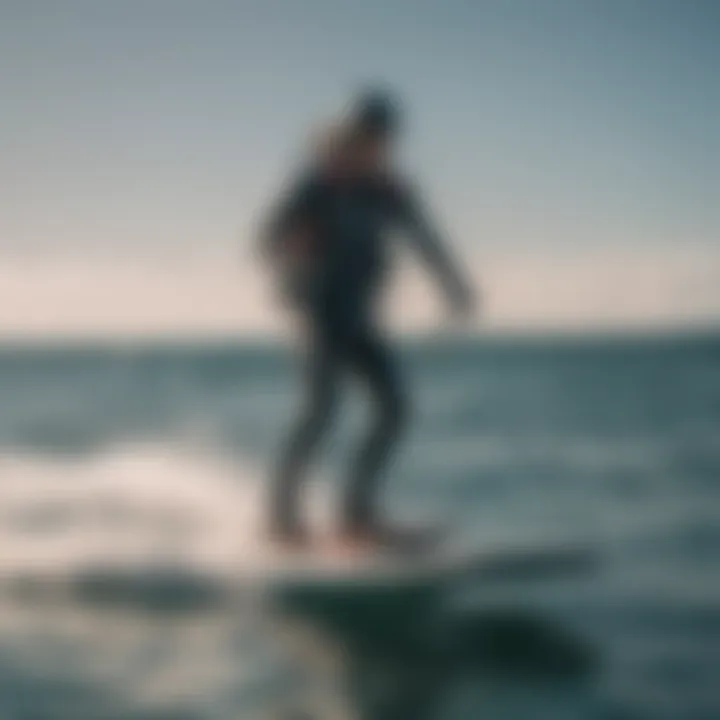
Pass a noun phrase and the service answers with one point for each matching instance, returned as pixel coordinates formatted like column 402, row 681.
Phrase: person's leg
column 320, row 387
column 371, row 359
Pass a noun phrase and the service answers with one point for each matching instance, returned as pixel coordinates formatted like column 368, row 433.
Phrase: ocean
column 132, row 482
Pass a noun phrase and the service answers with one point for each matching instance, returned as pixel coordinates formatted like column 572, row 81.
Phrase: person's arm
column 421, row 230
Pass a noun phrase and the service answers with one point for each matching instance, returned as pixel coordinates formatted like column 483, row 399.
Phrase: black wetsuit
column 346, row 223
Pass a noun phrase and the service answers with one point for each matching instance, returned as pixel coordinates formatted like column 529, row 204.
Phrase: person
column 328, row 234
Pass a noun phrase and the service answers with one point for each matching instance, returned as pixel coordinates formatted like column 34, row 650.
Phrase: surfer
column 327, row 236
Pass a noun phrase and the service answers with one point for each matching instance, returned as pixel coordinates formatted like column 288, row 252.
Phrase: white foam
column 135, row 504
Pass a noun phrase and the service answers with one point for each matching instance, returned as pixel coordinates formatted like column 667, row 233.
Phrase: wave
column 135, row 504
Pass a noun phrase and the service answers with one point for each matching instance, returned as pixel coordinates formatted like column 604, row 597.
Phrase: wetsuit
column 341, row 229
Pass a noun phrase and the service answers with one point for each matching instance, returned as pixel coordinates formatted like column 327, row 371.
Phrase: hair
column 376, row 111
column 372, row 113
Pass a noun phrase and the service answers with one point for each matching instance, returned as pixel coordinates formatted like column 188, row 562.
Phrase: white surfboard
column 448, row 562
column 320, row 572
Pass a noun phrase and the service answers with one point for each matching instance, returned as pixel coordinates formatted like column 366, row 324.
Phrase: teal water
column 126, row 458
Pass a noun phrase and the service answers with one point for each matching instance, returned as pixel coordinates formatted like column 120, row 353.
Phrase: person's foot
column 376, row 537
column 354, row 542
column 292, row 538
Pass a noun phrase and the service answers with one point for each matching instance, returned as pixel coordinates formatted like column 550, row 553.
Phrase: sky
column 570, row 150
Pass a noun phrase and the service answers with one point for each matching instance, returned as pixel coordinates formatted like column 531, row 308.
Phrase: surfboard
column 323, row 567
column 320, row 575
column 377, row 598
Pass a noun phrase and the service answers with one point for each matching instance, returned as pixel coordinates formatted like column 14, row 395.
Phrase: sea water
column 132, row 486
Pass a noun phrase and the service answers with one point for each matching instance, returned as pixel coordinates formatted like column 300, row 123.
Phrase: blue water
column 127, row 456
